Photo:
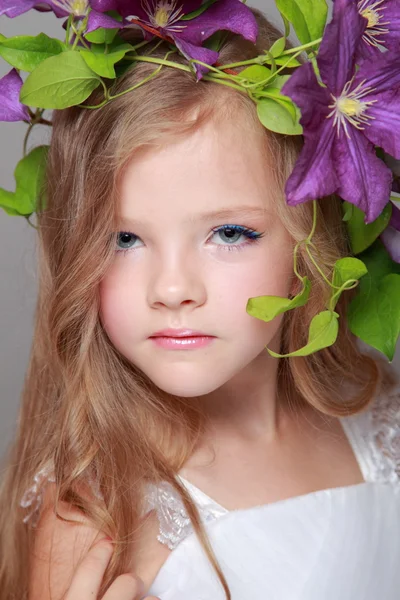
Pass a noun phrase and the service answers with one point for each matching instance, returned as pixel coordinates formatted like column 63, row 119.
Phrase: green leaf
column 323, row 332
column 216, row 40
column 267, row 308
column 278, row 83
column 347, row 211
column 59, row 82
column 123, row 66
column 103, row 64
column 2, row 37
column 102, row 35
column 256, row 73
column 29, row 177
column 379, row 264
column 284, row 60
column 278, row 47
column 346, row 269
column 27, row 52
column 7, row 203
column 197, row 12
column 362, row 235
column 279, row 115
column 308, row 17
column 375, row 316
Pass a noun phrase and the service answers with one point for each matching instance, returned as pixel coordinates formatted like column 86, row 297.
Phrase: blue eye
column 231, row 232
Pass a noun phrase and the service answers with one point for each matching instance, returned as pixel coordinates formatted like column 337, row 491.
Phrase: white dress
column 334, row 544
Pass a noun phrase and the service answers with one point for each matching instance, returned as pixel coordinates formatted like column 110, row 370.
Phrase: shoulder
column 58, row 547
column 375, row 435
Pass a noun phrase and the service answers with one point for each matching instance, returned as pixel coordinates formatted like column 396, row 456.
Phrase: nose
column 175, row 282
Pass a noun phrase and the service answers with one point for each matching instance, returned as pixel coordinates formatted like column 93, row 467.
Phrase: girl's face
column 179, row 266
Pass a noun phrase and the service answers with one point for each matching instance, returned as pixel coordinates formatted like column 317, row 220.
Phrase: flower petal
column 105, row 5
column 395, row 217
column 229, row 15
column 386, row 31
column 97, row 19
column 382, row 73
column 384, row 129
column 314, row 174
column 189, row 6
column 126, row 8
column 14, row 8
column 198, row 53
column 390, row 10
column 391, row 240
column 312, row 99
column 336, row 56
column 365, row 180
column 11, row 108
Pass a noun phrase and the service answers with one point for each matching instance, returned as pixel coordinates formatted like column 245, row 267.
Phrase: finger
column 125, row 587
column 89, row 574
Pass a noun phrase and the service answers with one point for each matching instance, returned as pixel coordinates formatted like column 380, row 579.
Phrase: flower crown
column 343, row 97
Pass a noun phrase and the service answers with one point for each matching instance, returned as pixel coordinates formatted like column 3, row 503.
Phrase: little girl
column 153, row 414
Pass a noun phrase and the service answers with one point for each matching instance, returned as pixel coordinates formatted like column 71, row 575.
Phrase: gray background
column 17, row 238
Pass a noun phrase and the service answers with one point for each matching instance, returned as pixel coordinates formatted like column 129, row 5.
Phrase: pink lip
column 178, row 333
column 183, row 343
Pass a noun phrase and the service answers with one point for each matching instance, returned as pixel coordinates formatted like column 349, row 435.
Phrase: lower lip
column 183, row 343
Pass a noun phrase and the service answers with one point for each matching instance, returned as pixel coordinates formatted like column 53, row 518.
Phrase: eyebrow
column 222, row 213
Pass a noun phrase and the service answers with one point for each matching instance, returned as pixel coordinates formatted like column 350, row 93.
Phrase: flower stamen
column 349, row 108
column 163, row 14
column 375, row 28
column 78, row 8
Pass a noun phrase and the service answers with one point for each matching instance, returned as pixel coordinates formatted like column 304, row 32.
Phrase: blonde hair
column 79, row 390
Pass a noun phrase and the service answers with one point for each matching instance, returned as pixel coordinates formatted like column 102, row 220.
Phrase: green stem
column 27, row 217
column 310, row 235
column 160, row 61
column 68, row 28
column 140, row 45
column 155, row 72
column 296, row 248
column 105, row 101
column 26, row 137
column 303, row 47
column 324, row 277
column 344, row 286
column 155, row 47
column 79, row 38
column 259, row 60
column 223, row 82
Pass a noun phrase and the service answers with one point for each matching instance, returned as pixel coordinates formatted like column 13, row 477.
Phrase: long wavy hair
column 79, row 391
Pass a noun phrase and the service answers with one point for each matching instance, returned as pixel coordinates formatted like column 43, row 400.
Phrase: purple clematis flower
column 165, row 17
column 344, row 119
column 61, row 8
column 11, row 108
column 383, row 28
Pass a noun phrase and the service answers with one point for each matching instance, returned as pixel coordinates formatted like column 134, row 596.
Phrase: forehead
column 219, row 168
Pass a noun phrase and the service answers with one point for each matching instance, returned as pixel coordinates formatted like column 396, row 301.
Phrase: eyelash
column 251, row 235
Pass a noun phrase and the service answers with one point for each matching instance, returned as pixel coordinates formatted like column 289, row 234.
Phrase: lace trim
column 385, row 415
column 175, row 524
column 33, row 497
column 379, row 428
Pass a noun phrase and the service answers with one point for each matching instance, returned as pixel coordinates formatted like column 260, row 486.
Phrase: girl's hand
column 89, row 575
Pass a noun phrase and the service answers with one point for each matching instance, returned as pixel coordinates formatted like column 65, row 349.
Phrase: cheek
column 269, row 272
column 117, row 304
